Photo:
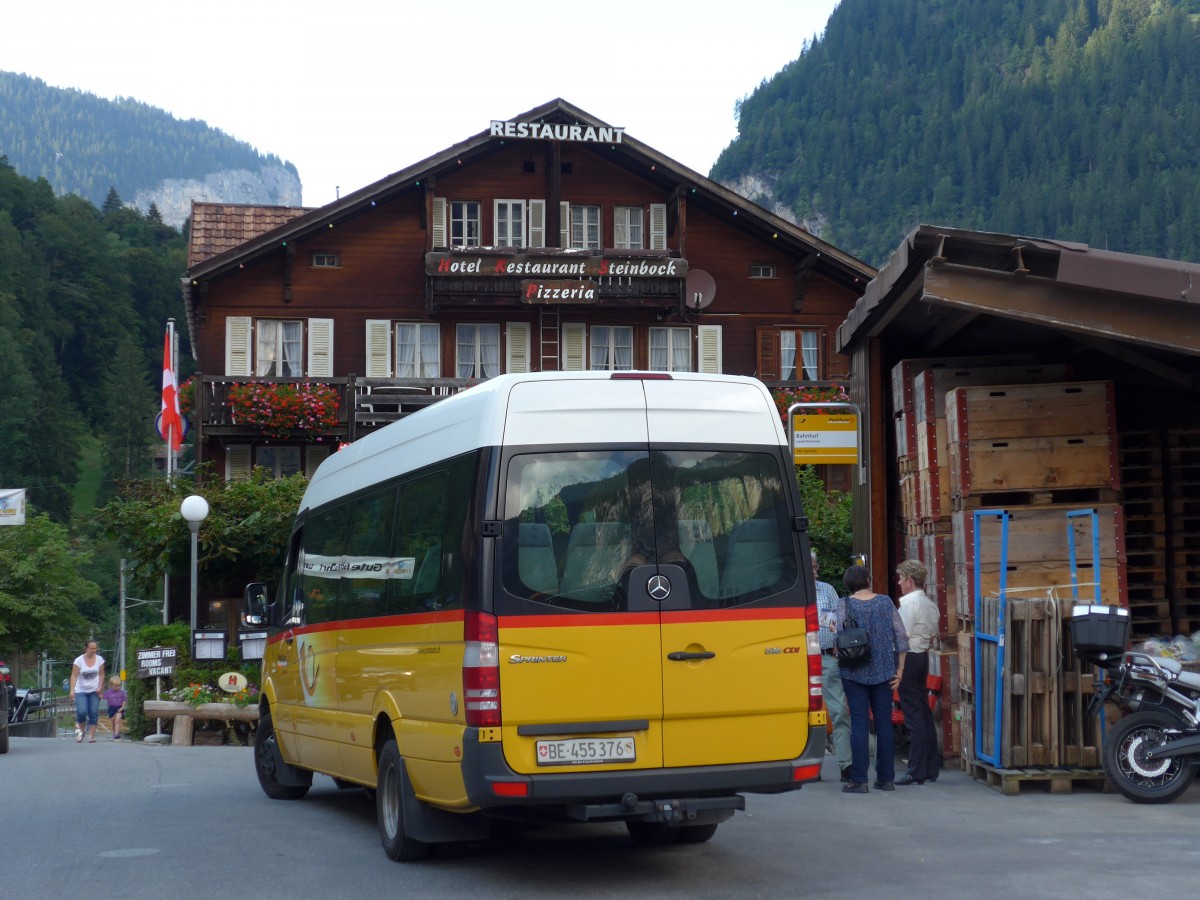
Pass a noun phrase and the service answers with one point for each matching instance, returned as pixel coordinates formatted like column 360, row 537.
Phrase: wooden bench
column 184, row 716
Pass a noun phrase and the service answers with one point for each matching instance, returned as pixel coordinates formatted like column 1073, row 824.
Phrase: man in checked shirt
column 831, row 676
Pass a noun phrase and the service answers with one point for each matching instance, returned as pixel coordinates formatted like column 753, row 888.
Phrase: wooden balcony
column 364, row 404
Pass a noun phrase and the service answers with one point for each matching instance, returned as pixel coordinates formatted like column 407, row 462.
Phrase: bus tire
column 652, row 834
column 697, row 834
column 389, row 809
column 266, row 762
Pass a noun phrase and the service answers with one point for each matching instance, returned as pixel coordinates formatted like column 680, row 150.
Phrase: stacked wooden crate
column 1183, row 474
column 973, row 434
column 1034, row 479
column 1160, row 470
column 919, row 389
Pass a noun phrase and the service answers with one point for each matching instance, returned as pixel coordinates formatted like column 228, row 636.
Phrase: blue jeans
column 87, row 708
column 867, row 700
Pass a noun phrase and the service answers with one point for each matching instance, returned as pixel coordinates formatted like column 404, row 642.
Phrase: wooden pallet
column 1055, row 780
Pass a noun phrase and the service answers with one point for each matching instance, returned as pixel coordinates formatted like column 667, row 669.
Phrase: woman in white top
column 87, row 674
column 920, row 617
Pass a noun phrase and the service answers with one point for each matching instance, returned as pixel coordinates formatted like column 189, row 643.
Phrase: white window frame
column 466, row 223
column 426, row 359
column 471, row 350
column 676, row 343
column 585, row 226
column 606, row 347
column 629, row 231
column 503, row 221
column 323, row 259
column 274, row 348
column 762, row 270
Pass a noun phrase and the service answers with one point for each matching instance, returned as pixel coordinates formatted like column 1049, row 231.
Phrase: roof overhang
column 946, row 291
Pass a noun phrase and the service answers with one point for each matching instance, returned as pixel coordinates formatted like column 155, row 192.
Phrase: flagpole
column 166, row 426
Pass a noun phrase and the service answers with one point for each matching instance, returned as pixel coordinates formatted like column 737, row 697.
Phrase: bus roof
column 547, row 408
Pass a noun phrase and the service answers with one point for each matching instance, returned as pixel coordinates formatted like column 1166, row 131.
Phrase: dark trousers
column 865, row 701
column 923, row 761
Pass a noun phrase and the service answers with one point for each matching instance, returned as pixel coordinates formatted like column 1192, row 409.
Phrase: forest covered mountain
column 85, row 294
column 85, row 145
column 1070, row 119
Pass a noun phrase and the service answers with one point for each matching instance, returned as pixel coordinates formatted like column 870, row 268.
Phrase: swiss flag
column 172, row 421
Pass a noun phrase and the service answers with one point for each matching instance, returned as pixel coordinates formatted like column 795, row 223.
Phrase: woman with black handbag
column 869, row 682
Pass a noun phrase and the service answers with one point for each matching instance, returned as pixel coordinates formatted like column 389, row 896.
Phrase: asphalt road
column 131, row 820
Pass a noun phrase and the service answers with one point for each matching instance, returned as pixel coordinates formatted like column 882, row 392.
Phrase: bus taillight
column 481, row 670
column 812, row 622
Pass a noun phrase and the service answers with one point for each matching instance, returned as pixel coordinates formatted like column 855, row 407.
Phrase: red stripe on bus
column 649, row 617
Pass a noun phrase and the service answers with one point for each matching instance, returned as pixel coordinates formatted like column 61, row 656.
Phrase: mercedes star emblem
column 658, row 587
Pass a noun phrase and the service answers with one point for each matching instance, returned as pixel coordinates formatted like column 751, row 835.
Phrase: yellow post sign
column 824, row 433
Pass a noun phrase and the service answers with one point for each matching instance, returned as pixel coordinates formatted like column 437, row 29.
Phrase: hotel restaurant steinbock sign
column 552, row 278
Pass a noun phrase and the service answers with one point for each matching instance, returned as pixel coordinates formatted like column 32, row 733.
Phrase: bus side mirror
column 256, row 605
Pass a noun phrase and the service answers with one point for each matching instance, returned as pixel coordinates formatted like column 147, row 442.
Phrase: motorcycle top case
column 1099, row 633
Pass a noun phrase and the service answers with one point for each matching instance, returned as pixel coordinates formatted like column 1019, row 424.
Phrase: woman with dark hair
column 869, row 685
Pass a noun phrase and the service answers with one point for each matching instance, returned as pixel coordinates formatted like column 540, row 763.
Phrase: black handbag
column 852, row 643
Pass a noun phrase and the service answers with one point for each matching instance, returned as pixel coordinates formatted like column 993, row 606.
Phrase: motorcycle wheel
column 1125, row 764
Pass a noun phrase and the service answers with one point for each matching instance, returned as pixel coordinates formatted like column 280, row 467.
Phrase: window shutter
column 574, row 349
column 708, row 349
column 237, row 346
column 320, row 348
column 237, row 462
column 537, row 223
column 379, row 348
column 768, row 354
column 314, row 456
column 438, row 225
column 564, row 225
column 658, row 226
column 517, row 347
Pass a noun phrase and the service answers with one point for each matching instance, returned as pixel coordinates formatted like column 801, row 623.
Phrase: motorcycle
column 1151, row 754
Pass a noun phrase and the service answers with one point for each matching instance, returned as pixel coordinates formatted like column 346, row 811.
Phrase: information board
column 824, row 434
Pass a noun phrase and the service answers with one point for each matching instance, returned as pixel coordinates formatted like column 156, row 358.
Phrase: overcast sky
column 354, row 90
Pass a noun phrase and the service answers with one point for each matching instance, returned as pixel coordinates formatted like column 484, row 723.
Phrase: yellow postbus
column 576, row 597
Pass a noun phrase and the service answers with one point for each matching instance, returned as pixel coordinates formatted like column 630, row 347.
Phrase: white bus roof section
column 580, row 409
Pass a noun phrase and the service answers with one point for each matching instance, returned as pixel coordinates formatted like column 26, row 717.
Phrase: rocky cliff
column 269, row 186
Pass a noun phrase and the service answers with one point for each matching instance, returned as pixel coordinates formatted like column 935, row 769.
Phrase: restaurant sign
column 569, row 267
column 557, row 131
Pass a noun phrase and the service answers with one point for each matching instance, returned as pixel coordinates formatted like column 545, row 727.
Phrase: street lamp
column 194, row 509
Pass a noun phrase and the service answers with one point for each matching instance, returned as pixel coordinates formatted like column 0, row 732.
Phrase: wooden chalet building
column 552, row 241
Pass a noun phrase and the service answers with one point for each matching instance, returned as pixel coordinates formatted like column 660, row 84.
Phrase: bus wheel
column 652, row 834
column 389, row 809
column 266, row 764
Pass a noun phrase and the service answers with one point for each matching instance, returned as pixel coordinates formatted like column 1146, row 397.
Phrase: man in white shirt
column 920, row 617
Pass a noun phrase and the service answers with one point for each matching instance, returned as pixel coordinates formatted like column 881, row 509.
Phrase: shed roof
column 948, row 291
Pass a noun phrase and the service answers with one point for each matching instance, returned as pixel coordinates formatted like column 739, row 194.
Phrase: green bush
column 187, row 671
column 830, row 525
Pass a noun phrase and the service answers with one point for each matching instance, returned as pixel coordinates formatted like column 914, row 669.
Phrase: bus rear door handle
column 685, row 655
